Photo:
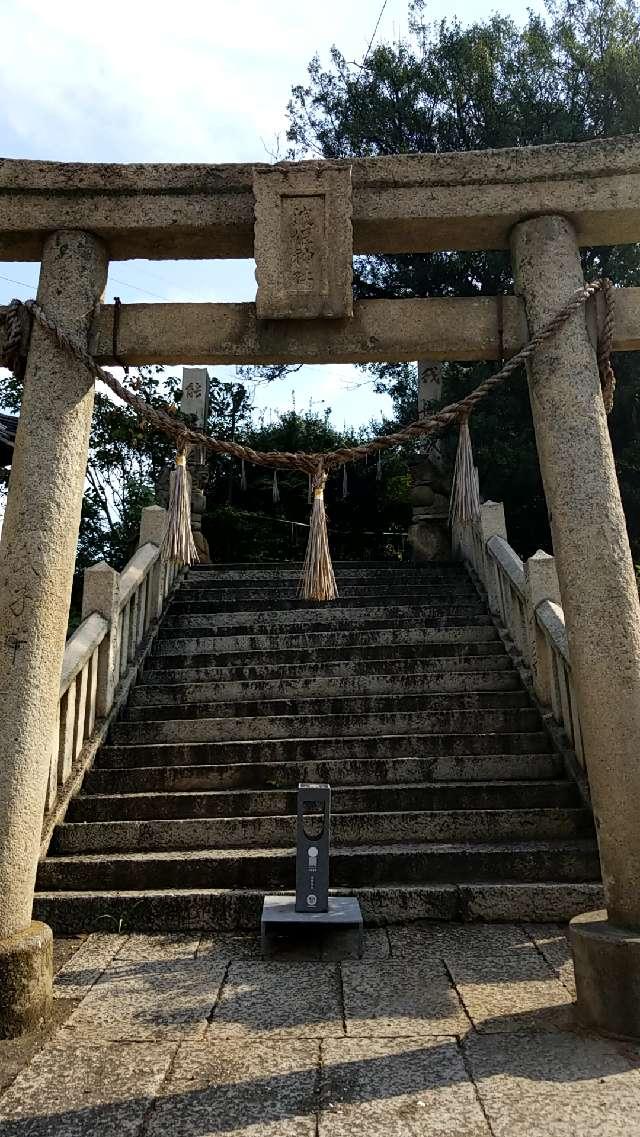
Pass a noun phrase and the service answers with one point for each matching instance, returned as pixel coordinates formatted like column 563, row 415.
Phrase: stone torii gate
column 303, row 221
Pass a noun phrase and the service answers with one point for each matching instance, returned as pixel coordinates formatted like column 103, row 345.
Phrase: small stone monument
column 312, row 910
column 195, row 404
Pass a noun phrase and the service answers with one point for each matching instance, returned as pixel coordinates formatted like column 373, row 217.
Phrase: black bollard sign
column 312, row 912
column 312, row 847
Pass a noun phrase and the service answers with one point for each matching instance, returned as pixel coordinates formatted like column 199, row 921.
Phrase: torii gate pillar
column 602, row 612
column 37, row 557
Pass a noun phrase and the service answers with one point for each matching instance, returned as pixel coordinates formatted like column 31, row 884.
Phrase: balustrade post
column 601, row 609
column 541, row 580
column 37, row 556
column 101, row 594
column 491, row 524
column 153, row 523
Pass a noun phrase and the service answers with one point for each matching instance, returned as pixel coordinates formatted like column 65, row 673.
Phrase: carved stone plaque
column 303, row 241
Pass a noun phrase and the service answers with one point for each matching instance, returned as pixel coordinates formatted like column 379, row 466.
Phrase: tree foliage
column 571, row 76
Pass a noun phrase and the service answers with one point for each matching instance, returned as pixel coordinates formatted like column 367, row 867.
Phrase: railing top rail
column 136, row 569
column 509, row 562
column 80, row 647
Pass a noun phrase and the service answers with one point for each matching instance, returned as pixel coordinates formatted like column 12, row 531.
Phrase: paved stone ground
column 439, row 1030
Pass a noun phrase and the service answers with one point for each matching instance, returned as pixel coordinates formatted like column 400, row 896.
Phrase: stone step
column 129, row 778
column 215, row 909
column 271, row 727
column 331, row 618
column 324, row 686
column 482, row 632
column 468, row 826
column 181, row 910
column 351, row 867
column 231, row 661
column 389, row 748
column 338, row 705
column 330, row 670
column 377, row 798
column 234, row 575
column 284, row 599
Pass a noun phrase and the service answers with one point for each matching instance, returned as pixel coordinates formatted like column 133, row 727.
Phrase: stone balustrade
column 120, row 612
column 525, row 598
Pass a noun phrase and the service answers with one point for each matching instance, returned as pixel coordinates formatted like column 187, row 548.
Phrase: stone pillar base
column 26, row 980
column 607, row 966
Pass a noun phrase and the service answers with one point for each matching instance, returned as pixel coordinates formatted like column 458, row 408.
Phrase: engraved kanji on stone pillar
column 303, row 241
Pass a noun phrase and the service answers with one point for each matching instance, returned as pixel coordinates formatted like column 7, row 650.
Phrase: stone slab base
column 26, row 980
column 607, row 966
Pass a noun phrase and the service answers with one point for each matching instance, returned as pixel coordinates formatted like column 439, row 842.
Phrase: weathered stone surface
column 396, row 1087
column 303, row 241
column 461, row 328
column 26, row 974
column 607, row 971
column 345, row 945
column 75, row 1089
column 293, row 1000
column 159, row 949
column 17, row 1053
column 225, row 946
column 504, row 983
column 86, row 966
column 165, row 998
column 228, row 1087
column 37, row 555
column 393, row 999
column 597, row 579
column 552, row 942
column 562, row 1084
column 401, row 203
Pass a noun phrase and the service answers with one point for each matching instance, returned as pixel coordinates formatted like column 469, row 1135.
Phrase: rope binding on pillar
column 318, row 580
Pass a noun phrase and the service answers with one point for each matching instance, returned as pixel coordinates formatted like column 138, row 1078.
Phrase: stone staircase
column 449, row 800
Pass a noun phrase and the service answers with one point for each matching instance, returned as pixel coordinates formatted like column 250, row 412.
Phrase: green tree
column 572, row 76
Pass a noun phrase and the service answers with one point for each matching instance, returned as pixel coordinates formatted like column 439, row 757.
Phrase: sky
column 194, row 81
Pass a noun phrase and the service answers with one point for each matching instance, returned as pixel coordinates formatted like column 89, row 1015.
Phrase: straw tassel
column 243, row 477
column 464, row 505
column 318, row 581
column 177, row 543
column 379, row 467
column 345, row 483
column 310, row 492
column 276, row 488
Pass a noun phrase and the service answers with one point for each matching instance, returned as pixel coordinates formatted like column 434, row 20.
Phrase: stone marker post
column 195, row 403
column 601, row 607
column 37, row 556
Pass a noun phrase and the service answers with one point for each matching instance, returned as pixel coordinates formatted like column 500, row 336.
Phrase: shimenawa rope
column 317, row 465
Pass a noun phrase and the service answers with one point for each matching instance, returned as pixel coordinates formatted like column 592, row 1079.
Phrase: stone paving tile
column 79, row 973
column 16, row 1053
column 553, row 942
column 558, row 1085
column 397, row 1088
column 64, row 947
column 225, row 946
column 392, row 999
column 231, row 1088
column 85, row 1090
column 424, row 940
column 504, row 983
column 160, row 948
column 296, row 1000
column 168, row 999
column 344, row 945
